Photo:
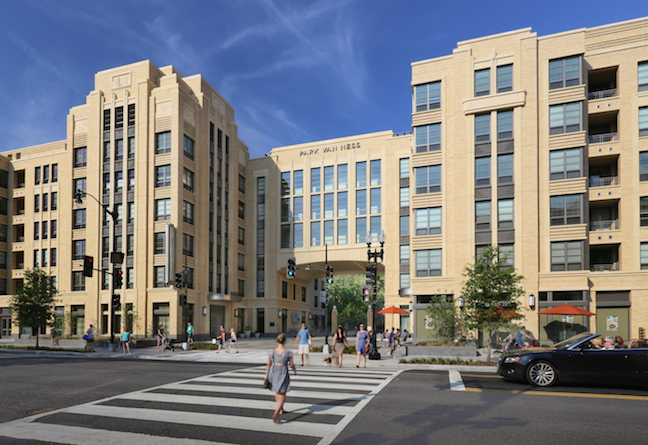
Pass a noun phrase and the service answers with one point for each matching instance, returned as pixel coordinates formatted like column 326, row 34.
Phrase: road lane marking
column 484, row 376
column 294, row 383
column 335, row 430
column 229, row 402
column 561, row 394
column 456, row 383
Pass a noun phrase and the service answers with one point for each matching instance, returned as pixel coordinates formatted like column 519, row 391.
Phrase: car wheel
column 542, row 374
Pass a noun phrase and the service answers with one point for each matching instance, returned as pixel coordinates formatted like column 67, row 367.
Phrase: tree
column 491, row 293
column 346, row 293
column 33, row 303
column 443, row 312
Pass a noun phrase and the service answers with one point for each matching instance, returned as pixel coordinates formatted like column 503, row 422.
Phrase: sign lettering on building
column 331, row 149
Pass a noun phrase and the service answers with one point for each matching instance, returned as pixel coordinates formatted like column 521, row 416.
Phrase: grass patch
column 446, row 361
column 42, row 348
column 440, row 343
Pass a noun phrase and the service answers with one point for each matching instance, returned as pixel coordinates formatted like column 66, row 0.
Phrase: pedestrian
column 404, row 336
column 277, row 374
column 161, row 335
column 89, row 338
column 392, row 343
column 190, row 332
column 232, row 341
column 385, row 334
column 339, row 342
column 369, row 347
column 361, row 345
column 125, row 338
column 53, row 335
column 221, row 339
column 398, row 337
column 305, row 342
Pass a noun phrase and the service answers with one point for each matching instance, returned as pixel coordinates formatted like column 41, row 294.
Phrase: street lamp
column 374, row 354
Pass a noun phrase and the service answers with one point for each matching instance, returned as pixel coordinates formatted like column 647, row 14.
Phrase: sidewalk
column 254, row 351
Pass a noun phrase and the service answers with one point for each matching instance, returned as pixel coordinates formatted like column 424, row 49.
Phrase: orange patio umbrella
column 566, row 309
column 393, row 310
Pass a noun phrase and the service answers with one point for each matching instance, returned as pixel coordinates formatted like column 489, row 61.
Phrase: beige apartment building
column 536, row 144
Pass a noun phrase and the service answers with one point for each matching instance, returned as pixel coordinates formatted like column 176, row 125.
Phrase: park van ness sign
column 331, row 149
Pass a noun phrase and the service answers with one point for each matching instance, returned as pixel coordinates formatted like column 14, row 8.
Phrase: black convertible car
column 576, row 360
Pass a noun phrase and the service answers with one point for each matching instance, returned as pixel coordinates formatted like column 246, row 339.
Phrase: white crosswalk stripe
column 232, row 404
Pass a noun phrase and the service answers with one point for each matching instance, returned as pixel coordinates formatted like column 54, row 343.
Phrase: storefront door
column 613, row 321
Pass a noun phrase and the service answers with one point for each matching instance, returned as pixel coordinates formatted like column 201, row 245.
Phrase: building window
column 404, row 164
column 504, row 78
column 241, row 235
column 80, row 157
column 316, row 233
column 106, row 183
column 506, row 258
column 163, row 142
column 329, row 237
column 316, row 180
column 361, row 230
column 329, row 207
column 285, row 236
column 285, row 183
column 428, row 138
column 298, row 210
column 131, row 115
column 428, row 221
column 342, row 204
column 80, row 185
column 130, row 245
column 130, row 278
column 188, row 180
column 565, row 72
column 404, row 255
column 187, row 245
column 329, row 178
column 163, row 176
column 45, row 202
column 505, row 169
column 163, row 209
column 404, row 225
column 374, row 172
column 45, row 230
column 374, row 201
column 504, row 125
column 482, row 171
column 567, row 255
column 316, row 206
column 158, row 276
column 119, row 149
column 106, row 151
column 565, row 118
column 119, row 117
column 131, row 147
column 482, row 128
column 131, row 180
column 298, row 235
column 566, row 209
column 80, row 219
column 131, row 213
column 78, row 281
column 404, row 197
column 53, row 256
column 643, row 211
column 505, row 214
column 428, row 96
column 285, row 209
column 342, row 231
column 119, row 181
column 188, row 147
column 37, row 230
column 342, row 176
column 36, row 203
column 78, row 249
column 566, row 164
column 428, row 263
column 54, row 200
column 642, row 76
column 284, row 291
column 37, row 175
column 53, row 229
column 54, row 172
column 376, row 227
column 482, row 82
column 241, row 209
column 241, row 184
column 644, row 255
column 299, row 182
column 643, row 121
column 483, row 215
column 159, row 243
column 361, row 174
column 428, row 179
column 187, row 212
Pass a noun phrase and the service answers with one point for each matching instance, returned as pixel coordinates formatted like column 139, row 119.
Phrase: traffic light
column 118, row 278
column 115, row 301
column 178, row 283
column 371, row 274
column 87, row 266
column 291, row 270
column 329, row 274
column 183, row 300
column 367, row 294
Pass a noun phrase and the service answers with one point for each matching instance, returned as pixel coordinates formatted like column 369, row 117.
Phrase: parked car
column 576, row 360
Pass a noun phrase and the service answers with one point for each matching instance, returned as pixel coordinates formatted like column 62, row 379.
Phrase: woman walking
column 361, row 345
column 221, row 339
column 161, row 335
column 277, row 374
column 339, row 342
column 232, row 341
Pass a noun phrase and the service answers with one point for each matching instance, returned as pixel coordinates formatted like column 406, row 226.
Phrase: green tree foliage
column 33, row 304
column 442, row 311
column 346, row 293
column 491, row 294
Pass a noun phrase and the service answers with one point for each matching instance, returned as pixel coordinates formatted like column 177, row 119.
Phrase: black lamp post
column 374, row 354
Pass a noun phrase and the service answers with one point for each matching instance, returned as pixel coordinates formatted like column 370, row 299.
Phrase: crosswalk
column 226, row 408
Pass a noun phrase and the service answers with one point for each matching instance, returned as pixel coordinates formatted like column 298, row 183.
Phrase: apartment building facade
column 533, row 143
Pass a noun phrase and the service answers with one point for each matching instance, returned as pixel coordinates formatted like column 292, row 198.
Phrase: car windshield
column 572, row 340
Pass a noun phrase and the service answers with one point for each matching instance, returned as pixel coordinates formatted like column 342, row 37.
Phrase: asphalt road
column 86, row 400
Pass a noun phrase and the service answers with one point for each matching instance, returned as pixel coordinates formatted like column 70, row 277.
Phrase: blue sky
column 294, row 71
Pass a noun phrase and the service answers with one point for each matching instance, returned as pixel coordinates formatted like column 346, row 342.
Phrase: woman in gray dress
column 277, row 374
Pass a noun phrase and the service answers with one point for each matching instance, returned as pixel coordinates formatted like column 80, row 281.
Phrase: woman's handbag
column 267, row 384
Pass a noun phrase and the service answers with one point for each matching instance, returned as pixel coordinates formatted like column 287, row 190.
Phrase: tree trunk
column 37, row 332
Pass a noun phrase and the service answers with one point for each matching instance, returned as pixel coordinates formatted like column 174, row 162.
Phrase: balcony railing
column 604, row 225
column 604, row 137
column 598, row 181
column 604, row 267
column 612, row 92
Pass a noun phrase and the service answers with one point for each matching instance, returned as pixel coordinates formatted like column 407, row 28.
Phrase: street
column 92, row 400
